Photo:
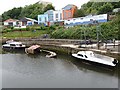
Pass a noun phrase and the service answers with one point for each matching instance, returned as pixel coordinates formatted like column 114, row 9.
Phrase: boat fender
column 115, row 61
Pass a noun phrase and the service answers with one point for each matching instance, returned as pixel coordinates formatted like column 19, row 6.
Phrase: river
column 20, row 70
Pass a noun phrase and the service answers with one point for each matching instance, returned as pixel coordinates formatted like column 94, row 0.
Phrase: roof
column 33, row 47
column 68, row 7
column 15, row 43
column 49, row 12
column 28, row 19
column 116, row 10
column 11, row 20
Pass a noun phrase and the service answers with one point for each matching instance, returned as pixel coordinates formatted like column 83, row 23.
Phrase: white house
column 27, row 21
column 49, row 17
column 57, row 15
column 43, row 19
column 11, row 22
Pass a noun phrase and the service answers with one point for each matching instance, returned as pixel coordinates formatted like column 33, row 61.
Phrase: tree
column 13, row 13
column 105, row 8
column 79, row 13
column 49, row 7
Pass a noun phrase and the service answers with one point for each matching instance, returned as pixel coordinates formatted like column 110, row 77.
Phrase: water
column 24, row 71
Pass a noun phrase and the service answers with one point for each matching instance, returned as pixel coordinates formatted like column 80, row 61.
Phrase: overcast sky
column 9, row 4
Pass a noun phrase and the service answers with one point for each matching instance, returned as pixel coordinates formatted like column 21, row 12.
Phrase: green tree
column 49, row 7
column 105, row 8
column 79, row 13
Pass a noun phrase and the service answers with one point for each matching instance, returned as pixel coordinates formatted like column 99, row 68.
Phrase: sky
column 6, row 5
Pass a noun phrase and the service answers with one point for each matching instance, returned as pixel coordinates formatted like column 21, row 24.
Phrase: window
column 65, row 15
column 50, row 16
column 69, row 14
column 60, row 16
column 80, row 55
column 45, row 19
column 86, row 56
column 40, row 19
column 91, row 19
column 81, row 18
column 12, row 45
column 57, row 15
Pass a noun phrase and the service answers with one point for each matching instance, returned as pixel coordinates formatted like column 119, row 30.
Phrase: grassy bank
column 17, row 34
column 107, row 31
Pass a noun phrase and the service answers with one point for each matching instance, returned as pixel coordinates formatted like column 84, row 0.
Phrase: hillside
column 97, row 8
column 31, row 11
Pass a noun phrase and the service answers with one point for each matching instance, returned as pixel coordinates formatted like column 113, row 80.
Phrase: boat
column 33, row 49
column 96, row 58
column 13, row 45
column 51, row 55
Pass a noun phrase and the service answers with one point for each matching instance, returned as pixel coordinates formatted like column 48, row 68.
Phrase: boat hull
column 88, row 62
column 95, row 64
column 4, row 47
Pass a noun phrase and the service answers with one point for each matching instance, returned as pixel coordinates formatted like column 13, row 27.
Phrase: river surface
column 20, row 70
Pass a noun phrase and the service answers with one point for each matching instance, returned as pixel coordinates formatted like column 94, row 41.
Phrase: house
column 43, row 19
column 27, row 21
column 68, row 11
column 49, row 17
column 11, row 22
column 57, row 15
column 54, row 15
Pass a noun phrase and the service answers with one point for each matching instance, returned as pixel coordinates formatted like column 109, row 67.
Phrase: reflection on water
column 37, row 71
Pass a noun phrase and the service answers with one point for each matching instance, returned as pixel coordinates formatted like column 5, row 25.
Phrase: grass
column 17, row 34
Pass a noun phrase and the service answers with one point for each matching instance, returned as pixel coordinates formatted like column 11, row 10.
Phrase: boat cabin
column 85, row 54
column 13, row 44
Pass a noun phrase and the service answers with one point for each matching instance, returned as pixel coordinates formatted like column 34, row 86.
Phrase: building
column 68, row 11
column 43, row 19
column 49, row 17
column 27, row 21
column 57, row 15
column 11, row 22
column 50, row 14
column 87, row 20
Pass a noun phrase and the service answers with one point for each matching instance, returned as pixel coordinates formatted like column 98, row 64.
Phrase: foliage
column 79, row 13
column 49, row 7
column 107, row 31
column 105, row 8
column 30, row 11
column 99, row 7
column 13, row 13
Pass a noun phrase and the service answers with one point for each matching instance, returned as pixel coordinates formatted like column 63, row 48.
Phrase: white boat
column 97, row 58
column 51, row 55
column 13, row 45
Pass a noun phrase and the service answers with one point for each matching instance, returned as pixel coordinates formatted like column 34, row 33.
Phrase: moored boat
column 33, row 49
column 96, row 58
column 13, row 45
